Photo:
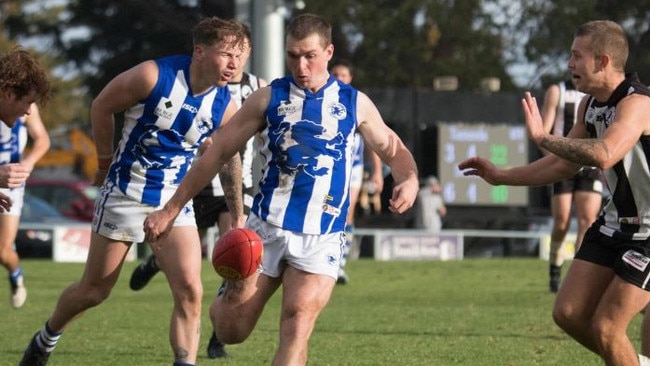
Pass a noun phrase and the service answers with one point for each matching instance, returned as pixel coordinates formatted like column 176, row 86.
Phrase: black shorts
column 630, row 259
column 586, row 180
column 208, row 208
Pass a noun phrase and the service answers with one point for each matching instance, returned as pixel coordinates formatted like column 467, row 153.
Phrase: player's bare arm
column 549, row 109
column 122, row 92
column 619, row 138
column 40, row 138
column 546, row 170
column 231, row 178
column 231, row 182
column 390, row 148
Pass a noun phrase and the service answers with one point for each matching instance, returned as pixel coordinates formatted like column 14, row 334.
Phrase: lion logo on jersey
column 302, row 144
column 153, row 149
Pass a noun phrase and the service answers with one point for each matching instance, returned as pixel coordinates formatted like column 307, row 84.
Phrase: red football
column 237, row 254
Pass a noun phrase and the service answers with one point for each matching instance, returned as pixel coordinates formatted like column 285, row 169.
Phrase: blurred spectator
column 431, row 207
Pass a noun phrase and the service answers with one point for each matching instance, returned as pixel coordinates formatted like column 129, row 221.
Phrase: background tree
column 101, row 38
column 407, row 43
column 549, row 28
column 69, row 102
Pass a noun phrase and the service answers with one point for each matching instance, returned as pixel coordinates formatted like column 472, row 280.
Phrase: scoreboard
column 505, row 145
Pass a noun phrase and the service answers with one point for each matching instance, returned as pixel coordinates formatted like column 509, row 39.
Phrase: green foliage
column 69, row 102
column 407, row 43
column 470, row 312
column 549, row 28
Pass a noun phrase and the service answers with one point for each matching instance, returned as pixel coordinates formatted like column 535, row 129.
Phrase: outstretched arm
column 390, row 148
column 546, row 170
column 124, row 91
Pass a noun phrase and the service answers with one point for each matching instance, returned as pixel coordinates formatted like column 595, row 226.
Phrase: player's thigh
column 621, row 302
column 8, row 230
column 582, row 288
column 305, row 292
column 587, row 204
column 105, row 259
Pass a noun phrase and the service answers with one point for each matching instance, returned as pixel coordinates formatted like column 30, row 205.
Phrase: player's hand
column 238, row 221
column 13, row 175
column 5, row 203
column 404, row 195
column 480, row 167
column 534, row 123
column 157, row 224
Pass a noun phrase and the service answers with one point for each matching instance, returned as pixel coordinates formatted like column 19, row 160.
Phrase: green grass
column 470, row 312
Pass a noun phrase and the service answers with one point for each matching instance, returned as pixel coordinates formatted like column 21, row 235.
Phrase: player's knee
column 560, row 228
column 191, row 292
column 6, row 251
column 230, row 329
column 562, row 316
column 231, row 332
column 603, row 333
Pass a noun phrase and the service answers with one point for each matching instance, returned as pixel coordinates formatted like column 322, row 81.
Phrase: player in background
column 23, row 82
column 170, row 106
column 306, row 124
column 342, row 70
column 211, row 205
column 583, row 190
column 13, row 140
column 607, row 284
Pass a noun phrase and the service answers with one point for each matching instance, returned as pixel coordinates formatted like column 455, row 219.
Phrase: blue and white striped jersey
column 358, row 151
column 306, row 150
column 162, row 133
column 627, row 214
column 239, row 92
column 12, row 142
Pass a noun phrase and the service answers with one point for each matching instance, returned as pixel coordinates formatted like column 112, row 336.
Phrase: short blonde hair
column 606, row 37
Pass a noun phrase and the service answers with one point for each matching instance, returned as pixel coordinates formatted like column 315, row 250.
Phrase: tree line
column 392, row 43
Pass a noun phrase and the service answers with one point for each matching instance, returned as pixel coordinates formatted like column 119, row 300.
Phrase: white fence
column 447, row 245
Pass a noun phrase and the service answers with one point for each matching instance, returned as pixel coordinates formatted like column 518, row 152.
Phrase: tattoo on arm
column 231, row 181
column 579, row 151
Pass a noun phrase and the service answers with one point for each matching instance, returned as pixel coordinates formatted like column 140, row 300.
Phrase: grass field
column 470, row 312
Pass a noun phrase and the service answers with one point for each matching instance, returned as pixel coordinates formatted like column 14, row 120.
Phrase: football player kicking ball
column 307, row 123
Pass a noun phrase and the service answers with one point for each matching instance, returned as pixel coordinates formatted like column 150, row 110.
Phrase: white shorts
column 319, row 254
column 16, row 195
column 356, row 178
column 121, row 218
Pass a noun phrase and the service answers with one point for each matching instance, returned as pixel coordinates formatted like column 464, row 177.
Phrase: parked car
column 73, row 198
column 35, row 237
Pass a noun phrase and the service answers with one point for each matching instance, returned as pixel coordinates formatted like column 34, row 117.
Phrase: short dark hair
column 341, row 62
column 304, row 25
column 21, row 74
